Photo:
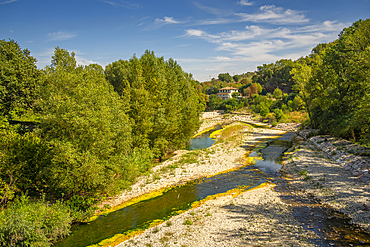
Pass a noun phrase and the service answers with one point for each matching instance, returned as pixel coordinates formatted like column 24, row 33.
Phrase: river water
column 266, row 156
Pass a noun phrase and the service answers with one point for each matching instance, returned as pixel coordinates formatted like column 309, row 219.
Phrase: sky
column 205, row 37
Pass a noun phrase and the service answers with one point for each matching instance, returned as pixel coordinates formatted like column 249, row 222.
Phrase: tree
column 254, row 89
column 333, row 82
column 19, row 81
column 163, row 101
column 278, row 113
column 211, row 90
column 278, row 93
column 225, row 77
column 247, row 92
column 214, row 102
column 237, row 78
column 85, row 123
column 235, row 95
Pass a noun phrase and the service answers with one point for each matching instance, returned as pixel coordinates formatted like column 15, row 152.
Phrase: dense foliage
column 78, row 139
column 28, row 223
column 163, row 103
column 335, row 84
column 19, row 78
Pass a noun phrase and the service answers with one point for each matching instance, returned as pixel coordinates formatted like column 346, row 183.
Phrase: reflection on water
column 267, row 155
column 203, row 141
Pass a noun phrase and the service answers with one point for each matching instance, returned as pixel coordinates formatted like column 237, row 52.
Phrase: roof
column 228, row 88
column 223, row 93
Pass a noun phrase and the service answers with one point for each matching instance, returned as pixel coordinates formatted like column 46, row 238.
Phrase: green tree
column 235, row 94
column 164, row 105
column 225, row 77
column 84, row 120
column 214, row 102
column 19, row 81
column 277, row 93
column 278, row 113
column 237, row 78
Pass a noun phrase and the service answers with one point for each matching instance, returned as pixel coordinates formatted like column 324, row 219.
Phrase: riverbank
column 310, row 171
column 255, row 217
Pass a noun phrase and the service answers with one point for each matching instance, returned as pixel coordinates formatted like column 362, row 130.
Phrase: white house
column 226, row 92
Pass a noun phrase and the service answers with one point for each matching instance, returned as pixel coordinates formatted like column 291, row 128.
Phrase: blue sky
column 205, row 37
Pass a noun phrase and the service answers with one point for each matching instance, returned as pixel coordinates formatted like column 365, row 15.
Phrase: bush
column 264, row 111
column 278, row 113
column 26, row 223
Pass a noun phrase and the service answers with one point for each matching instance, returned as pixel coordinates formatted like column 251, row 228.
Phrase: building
column 226, row 92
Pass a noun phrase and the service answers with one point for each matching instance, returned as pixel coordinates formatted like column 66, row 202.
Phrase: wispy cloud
column 201, row 34
column 261, row 44
column 61, row 35
column 275, row 15
column 245, row 3
column 212, row 10
column 121, row 3
column 166, row 20
column 9, row 1
column 83, row 61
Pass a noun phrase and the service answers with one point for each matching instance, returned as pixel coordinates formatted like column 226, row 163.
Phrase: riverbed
column 255, row 217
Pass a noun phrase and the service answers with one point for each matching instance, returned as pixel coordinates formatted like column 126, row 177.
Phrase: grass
column 230, row 133
column 190, row 157
column 302, row 173
column 188, row 222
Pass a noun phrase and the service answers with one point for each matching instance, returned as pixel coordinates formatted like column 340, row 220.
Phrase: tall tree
column 163, row 100
column 19, row 80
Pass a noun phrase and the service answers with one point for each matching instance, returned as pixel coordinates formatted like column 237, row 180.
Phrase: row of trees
column 331, row 84
column 334, row 82
column 94, row 131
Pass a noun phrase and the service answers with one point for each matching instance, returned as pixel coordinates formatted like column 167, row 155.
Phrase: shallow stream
column 266, row 156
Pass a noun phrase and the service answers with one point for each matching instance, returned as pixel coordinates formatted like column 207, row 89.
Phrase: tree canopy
column 163, row 104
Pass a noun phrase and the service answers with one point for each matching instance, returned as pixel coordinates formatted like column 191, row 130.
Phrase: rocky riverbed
column 258, row 217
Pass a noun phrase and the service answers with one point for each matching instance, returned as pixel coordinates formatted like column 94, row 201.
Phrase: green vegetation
column 71, row 135
column 82, row 134
column 162, row 100
column 334, row 84
column 328, row 89
column 28, row 223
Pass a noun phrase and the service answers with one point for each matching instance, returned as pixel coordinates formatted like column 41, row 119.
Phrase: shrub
column 264, row 111
column 26, row 223
column 278, row 113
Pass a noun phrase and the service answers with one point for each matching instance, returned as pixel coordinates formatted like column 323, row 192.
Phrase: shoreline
column 255, row 217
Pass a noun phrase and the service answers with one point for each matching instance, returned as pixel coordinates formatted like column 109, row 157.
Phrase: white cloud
column 202, row 34
column 166, row 20
column 245, row 3
column 256, row 44
column 9, row 1
column 83, row 61
column 275, row 15
column 61, row 35
column 124, row 4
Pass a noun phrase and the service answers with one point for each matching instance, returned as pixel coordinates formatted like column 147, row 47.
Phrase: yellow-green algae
column 141, row 198
column 153, row 194
column 206, row 130
column 119, row 238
